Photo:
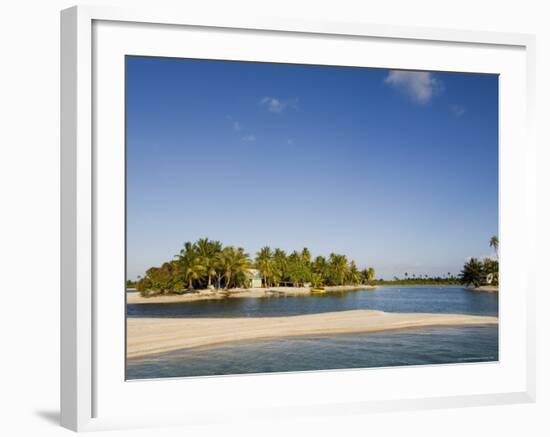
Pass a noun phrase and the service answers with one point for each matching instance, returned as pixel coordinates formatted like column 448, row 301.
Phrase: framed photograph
column 291, row 218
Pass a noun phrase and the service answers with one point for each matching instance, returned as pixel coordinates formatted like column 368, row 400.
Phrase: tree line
column 209, row 264
column 420, row 279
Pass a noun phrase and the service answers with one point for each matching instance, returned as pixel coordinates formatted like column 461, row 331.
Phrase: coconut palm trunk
column 228, row 280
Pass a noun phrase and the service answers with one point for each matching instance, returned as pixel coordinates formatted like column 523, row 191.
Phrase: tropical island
column 206, row 269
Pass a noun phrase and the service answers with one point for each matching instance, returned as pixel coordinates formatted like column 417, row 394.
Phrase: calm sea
column 436, row 345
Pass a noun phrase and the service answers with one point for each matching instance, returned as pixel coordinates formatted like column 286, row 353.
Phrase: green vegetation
column 208, row 264
column 298, row 268
column 481, row 272
column 420, row 280
column 475, row 272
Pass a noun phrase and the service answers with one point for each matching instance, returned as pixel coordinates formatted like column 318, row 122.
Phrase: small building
column 254, row 278
column 487, row 279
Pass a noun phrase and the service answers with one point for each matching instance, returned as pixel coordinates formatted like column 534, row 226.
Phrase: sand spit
column 148, row 336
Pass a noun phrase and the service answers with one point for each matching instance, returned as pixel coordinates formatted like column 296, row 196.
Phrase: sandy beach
column 487, row 288
column 148, row 336
column 136, row 298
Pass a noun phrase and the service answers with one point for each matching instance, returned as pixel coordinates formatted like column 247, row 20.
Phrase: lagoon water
column 436, row 345
column 396, row 348
column 456, row 300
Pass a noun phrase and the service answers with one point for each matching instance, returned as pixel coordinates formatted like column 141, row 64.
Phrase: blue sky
column 398, row 170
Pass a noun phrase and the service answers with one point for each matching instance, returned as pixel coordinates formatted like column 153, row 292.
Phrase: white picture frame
column 93, row 395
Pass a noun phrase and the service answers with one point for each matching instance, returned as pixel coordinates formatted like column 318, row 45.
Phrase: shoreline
column 486, row 288
column 151, row 336
column 199, row 295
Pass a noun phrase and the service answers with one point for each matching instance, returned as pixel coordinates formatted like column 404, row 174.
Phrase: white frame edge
column 76, row 219
column 77, row 193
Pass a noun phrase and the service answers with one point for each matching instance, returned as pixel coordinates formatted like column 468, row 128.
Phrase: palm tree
column 280, row 266
column 219, row 267
column 234, row 262
column 370, row 274
column 306, row 255
column 320, row 265
column 297, row 270
column 354, row 275
column 193, row 272
column 316, row 279
column 207, row 250
column 190, row 264
column 493, row 242
column 339, row 267
column 471, row 272
column 264, row 263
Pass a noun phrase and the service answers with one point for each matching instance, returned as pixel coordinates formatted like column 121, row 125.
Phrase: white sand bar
column 147, row 336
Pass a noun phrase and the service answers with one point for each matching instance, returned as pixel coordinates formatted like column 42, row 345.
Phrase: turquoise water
column 419, row 346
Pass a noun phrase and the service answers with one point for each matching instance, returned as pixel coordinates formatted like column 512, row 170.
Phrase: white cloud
column 457, row 110
column 238, row 127
column 420, row 86
column 235, row 124
column 277, row 105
